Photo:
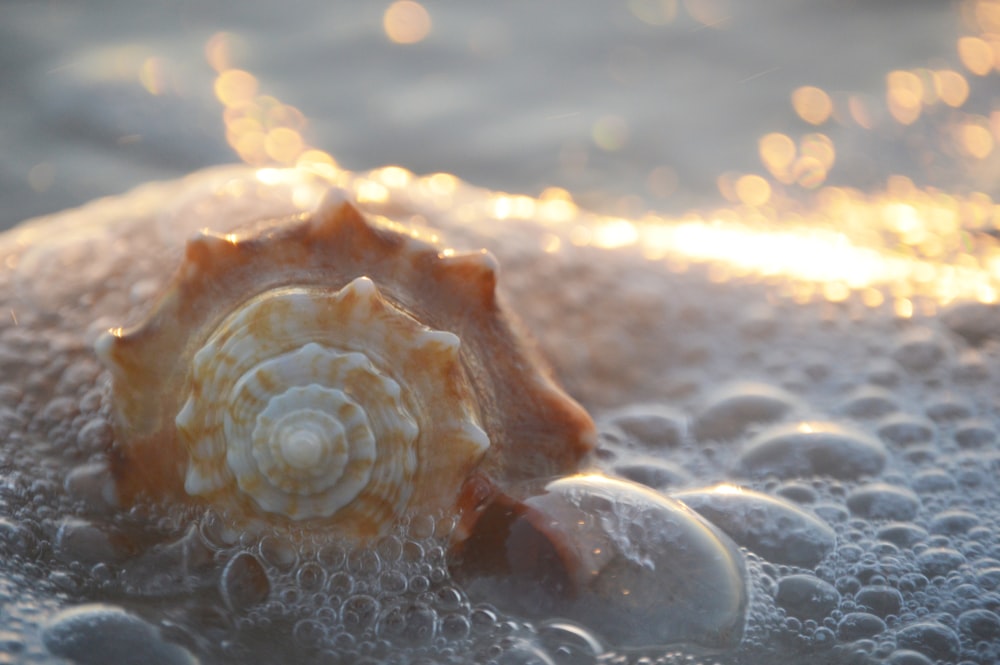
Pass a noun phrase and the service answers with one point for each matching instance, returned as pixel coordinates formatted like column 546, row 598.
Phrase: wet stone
column 775, row 529
column 883, row 501
column 903, row 429
column 934, row 640
column 880, row 600
column 812, row 449
column 806, row 597
column 859, row 626
column 244, row 582
column 105, row 635
column 734, row 408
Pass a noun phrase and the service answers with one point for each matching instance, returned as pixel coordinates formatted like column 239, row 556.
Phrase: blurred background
column 629, row 105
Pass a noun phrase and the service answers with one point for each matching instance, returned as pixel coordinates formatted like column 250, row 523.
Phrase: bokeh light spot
column 753, row 190
column 777, row 152
column 952, row 88
column 235, row 86
column 812, row 104
column 975, row 138
column 406, row 22
column 283, row 145
column 654, row 12
column 610, row 133
column 904, row 96
column 976, row 54
column 153, row 76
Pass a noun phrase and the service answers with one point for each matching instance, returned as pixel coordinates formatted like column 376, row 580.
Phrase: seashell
column 332, row 368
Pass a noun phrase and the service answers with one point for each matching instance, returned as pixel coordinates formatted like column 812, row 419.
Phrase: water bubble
column 859, row 625
column 934, row 640
column 883, row 501
column 920, row 350
column 310, row 577
column 733, row 408
column 953, row 522
column 778, row 531
column 975, row 434
column 880, row 600
column 651, row 426
column 903, row 429
column 244, row 583
column 97, row 634
column 340, row 584
column 308, row 633
column 277, row 552
column 938, row 561
column 812, row 449
column 82, row 541
column 907, row 657
column 332, row 556
column 806, row 597
column 455, row 627
column 393, row 582
column 364, row 562
column 359, row 613
column 407, row 623
column 869, row 402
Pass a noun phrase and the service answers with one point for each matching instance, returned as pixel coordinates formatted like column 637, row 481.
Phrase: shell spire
column 330, row 368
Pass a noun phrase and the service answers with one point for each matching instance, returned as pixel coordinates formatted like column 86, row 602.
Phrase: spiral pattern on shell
column 331, row 368
column 306, row 414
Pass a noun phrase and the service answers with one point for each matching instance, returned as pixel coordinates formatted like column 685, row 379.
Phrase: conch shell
column 332, row 368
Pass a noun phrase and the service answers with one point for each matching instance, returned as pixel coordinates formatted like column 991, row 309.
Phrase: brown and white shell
column 331, row 368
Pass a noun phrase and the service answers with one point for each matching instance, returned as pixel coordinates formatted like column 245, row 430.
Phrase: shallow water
column 813, row 355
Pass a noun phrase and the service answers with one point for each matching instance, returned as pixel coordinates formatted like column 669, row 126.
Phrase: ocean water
column 630, row 105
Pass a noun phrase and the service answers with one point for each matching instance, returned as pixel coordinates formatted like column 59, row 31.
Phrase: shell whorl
column 329, row 368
